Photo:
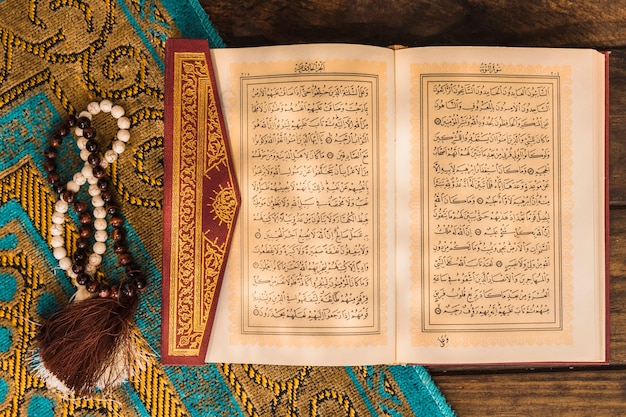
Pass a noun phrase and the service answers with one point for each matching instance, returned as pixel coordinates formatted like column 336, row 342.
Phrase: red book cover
column 201, row 201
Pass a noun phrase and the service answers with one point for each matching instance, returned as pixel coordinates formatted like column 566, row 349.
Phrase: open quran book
column 436, row 205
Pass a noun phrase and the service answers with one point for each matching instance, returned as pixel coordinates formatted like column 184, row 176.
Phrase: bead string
column 82, row 269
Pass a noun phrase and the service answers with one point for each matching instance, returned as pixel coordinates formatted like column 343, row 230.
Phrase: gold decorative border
column 204, row 204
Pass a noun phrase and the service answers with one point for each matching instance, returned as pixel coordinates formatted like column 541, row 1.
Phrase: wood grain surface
column 580, row 391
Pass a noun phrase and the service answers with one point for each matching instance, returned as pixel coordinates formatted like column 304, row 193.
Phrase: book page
column 310, row 276
column 503, row 151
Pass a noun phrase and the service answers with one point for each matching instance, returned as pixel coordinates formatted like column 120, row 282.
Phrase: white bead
column 123, row 122
column 59, row 253
column 61, row 206
column 97, row 201
column 95, row 259
column 99, row 212
column 78, row 132
column 92, row 180
column 100, row 224
column 101, row 236
column 117, row 111
column 57, row 241
column 81, row 142
column 84, row 113
column 72, row 186
column 56, row 230
column 99, row 248
column 65, row 263
column 118, row 146
column 58, row 218
column 123, row 135
column 94, row 190
column 87, row 171
column 90, row 269
column 72, row 274
column 54, row 240
column 106, row 105
column 79, row 178
column 104, row 163
column 93, row 107
column 84, row 154
column 110, row 156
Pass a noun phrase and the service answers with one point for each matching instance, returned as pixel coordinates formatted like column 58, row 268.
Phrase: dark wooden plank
column 422, row 22
column 617, row 109
column 562, row 393
column 617, row 295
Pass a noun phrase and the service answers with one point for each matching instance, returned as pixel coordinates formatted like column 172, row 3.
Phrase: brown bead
column 107, row 196
column 127, row 289
column 70, row 120
column 82, row 279
column 92, row 287
column 80, row 206
column 78, row 268
column 98, row 171
column 63, row 130
column 69, row 196
column 103, row 184
column 94, row 159
column 85, row 231
column 89, row 133
column 49, row 166
column 54, row 177
column 58, row 187
column 51, row 152
column 140, row 283
column 80, row 256
column 55, row 141
column 83, row 122
column 85, row 218
column 116, row 221
column 112, row 210
column 115, row 291
column 104, row 291
column 82, row 243
column 91, row 146
column 125, row 259
column 119, row 247
column 117, row 235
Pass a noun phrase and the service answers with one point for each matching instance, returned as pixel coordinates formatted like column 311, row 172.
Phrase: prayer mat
column 56, row 57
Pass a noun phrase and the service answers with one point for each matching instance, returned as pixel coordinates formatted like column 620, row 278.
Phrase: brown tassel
column 88, row 345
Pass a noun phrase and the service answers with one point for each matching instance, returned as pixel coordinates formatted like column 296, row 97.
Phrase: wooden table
column 600, row 24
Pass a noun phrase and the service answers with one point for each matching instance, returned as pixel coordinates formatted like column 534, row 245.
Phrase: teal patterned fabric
column 56, row 57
